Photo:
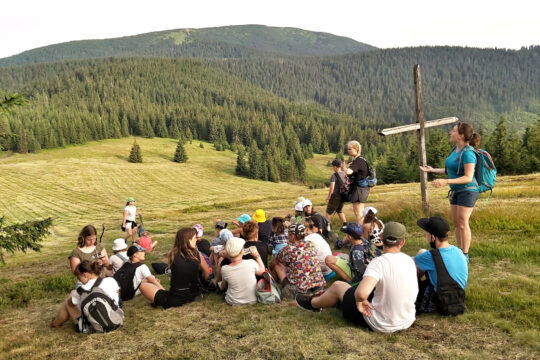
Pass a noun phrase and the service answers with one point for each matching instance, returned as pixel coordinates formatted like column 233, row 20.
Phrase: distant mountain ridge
column 239, row 41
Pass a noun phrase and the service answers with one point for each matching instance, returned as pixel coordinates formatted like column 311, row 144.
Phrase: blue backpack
column 485, row 172
column 370, row 180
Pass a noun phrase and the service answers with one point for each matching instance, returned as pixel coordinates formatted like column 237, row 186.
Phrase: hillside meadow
column 89, row 184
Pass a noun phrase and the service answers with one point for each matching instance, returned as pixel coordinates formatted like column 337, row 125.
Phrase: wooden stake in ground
column 419, row 127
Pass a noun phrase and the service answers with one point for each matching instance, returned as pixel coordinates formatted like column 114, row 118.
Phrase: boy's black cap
column 435, row 225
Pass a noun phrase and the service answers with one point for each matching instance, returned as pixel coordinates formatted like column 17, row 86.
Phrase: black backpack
column 124, row 277
column 449, row 297
column 99, row 313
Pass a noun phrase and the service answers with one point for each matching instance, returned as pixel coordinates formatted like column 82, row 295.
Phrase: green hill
column 86, row 184
column 219, row 42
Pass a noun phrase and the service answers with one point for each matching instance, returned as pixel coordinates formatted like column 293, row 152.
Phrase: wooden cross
column 419, row 127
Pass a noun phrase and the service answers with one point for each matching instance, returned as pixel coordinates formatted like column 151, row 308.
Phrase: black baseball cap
column 435, row 225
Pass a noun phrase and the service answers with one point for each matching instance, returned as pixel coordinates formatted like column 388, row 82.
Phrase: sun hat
column 234, row 246
column 366, row 210
column 130, row 199
column 352, row 229
column 199, row 229
column 135, row 248
column 393, row 232
column 435, row 225
column 225, row 235
column 306, row 202
column 243, row 218
column 298, row 206
column 259, row 216
column 119, row 244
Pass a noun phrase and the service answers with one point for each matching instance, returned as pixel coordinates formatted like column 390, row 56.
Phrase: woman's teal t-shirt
column 452, row 166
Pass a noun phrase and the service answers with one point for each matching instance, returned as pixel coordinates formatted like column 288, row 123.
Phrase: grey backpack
column 268, row 290
column 99, row 313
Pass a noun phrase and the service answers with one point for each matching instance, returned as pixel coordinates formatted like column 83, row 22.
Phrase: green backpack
column 268, row 290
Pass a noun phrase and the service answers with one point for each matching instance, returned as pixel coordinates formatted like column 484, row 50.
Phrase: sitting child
column 239, row 277
column 353, row 270
column 146, row 242
column 120, row 254
column 279, row 236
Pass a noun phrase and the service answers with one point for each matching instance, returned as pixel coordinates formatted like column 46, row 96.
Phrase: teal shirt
column 452, row 166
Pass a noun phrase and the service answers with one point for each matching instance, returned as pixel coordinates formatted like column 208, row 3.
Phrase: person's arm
column 465, row 179
column 429, row 169
column 255, row 254
column 361, row 294
column 419, row 272
column 204, row 268
column 73, row 263
column 330, row 190
column 105, row 259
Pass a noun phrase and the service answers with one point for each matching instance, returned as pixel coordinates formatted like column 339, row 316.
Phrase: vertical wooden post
column 421, row 138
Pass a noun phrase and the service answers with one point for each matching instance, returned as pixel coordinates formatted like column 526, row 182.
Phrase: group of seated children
column 376, row 285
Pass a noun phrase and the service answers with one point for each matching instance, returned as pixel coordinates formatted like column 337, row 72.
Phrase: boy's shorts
column 344, row 265
column 335, row 204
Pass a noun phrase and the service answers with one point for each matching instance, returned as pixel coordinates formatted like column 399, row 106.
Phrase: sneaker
column 304, row 302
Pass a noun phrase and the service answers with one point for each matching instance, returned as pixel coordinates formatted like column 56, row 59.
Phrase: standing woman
column 357, row 170
column 186, row 266
column 459, row 166
column 128, row 221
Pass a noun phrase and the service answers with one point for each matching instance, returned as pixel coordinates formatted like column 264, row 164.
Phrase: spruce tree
column 180, row 155
column 241, row 165
column 135, row 156
column 23, row 236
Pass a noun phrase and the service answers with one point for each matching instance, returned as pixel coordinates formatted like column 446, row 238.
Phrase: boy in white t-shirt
column 392, row 275
column 239, row 277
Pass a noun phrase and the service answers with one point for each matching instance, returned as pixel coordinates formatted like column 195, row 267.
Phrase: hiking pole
column 102, row 232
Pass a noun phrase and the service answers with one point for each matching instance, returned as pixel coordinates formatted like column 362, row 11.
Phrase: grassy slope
column 88, row 184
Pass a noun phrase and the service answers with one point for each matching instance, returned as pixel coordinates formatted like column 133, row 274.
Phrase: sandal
column 54, row 325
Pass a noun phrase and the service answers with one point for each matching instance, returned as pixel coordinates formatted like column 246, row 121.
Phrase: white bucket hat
column 119, row 244
column 366, row 210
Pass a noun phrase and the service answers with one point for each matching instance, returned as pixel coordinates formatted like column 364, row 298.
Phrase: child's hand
column 253, row 251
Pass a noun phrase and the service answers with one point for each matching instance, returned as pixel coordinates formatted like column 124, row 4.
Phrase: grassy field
column 89, row 184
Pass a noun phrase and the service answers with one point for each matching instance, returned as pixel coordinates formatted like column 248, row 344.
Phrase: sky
column 381, row 23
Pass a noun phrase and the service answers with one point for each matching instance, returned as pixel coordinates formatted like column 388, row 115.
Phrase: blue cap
column 353, row 229
column 243, row 218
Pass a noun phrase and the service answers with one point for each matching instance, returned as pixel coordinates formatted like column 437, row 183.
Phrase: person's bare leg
column 331, row 296
column 463, row 215
column 331, row 262
column 149, row 290
column 358, row 207
column 342, row 217
column 280, row 271
column 455, row 221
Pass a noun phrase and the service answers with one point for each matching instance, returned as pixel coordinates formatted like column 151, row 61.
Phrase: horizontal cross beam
column 412, row 127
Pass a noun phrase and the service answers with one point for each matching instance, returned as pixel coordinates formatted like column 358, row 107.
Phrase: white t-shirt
column 241, row 282
column 117, row 260
column 323, row 250
column 395, row 293
column 131, row 212
column 141, row 273
column 108, row 284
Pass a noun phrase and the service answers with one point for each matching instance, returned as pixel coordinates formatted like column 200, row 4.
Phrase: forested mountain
column 377, row 87
column 219, row 42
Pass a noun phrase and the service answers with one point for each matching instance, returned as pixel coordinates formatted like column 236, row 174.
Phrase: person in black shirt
column 265, row 226
column 320, row 220
column 185, row 263
column 357, row 170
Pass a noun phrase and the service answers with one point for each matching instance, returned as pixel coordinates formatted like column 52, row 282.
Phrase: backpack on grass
column 370, row 180
column 99, row 313
column 268, row 290
column 124, row 277
column 485, row 172
column 449, row 297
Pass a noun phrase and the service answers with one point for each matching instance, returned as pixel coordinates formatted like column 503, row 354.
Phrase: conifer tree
column 180, row 155
column 135, row 156
column 23, row 236
column 241, row 165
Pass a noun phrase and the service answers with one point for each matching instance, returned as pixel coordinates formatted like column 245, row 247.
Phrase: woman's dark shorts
column 464, row 198
column 335, row 204
column 350, row 311
column 359, row 194
column 166, row 300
